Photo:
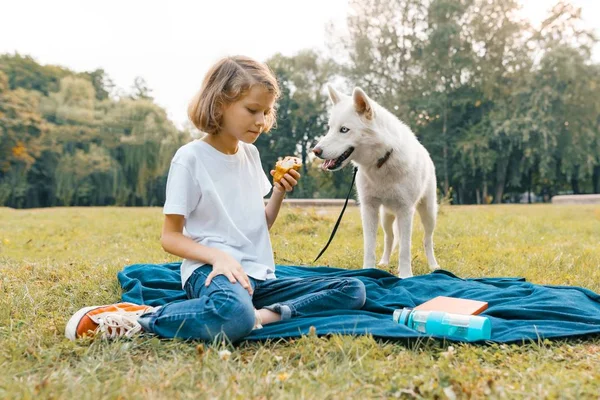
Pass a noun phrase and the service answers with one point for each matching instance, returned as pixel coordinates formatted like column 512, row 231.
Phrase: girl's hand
column 231, row 268
column 288, row 181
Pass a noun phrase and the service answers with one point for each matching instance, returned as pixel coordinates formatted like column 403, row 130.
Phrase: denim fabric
column 226, row 309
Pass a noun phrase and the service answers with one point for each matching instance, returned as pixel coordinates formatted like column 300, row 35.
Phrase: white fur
column 404, row 183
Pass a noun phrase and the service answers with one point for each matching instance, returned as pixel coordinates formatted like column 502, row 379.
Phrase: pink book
column 454, row 305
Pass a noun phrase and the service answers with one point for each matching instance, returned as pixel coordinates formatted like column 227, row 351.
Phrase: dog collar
column 383, row 159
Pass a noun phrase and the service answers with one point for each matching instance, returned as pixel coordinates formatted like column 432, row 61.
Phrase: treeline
column 504, row 109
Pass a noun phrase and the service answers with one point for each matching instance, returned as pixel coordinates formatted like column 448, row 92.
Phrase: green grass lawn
column 54, row 261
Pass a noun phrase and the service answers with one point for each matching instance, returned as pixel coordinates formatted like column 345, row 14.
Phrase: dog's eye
column 343, row 129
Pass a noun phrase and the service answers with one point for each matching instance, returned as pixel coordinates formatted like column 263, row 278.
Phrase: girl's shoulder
column 189, row 152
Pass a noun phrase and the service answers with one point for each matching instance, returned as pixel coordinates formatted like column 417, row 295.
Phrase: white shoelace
column 120, row 323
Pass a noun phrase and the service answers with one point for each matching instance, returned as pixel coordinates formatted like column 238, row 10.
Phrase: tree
column 76, row 145
column 447, row 58
column 566, row 90
column 142, row 140
column 103, row 85
column 501, row 70
column 21, row 128
column 74, row 102
column 378, row 54
column 24, row 72
column 301, row 112
column 140, row 89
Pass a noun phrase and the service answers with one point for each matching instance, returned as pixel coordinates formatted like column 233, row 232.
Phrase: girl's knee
column 357, row 292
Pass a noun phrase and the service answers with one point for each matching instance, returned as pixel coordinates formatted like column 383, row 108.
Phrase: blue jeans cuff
column 282, row 309
column 147, row 320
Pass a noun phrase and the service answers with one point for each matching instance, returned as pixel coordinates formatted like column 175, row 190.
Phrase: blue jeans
column 226, row 308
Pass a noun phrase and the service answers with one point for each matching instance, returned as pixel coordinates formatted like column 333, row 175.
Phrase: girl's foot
column 109, row 321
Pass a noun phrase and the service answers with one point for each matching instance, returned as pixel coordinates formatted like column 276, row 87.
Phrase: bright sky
column 172, row 44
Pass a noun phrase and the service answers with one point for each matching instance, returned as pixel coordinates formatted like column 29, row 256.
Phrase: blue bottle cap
column 484, row 327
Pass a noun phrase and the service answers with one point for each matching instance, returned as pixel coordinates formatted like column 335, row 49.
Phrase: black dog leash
column 340, row 217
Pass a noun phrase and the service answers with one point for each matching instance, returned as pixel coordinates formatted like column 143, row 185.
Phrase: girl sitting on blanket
column 215, row 191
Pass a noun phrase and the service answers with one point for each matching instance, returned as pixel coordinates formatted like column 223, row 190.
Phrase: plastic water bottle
column 438, row 323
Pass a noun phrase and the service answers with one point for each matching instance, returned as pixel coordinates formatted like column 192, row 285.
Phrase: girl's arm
column 175, row 242
column 273, row 206
column 286, row 184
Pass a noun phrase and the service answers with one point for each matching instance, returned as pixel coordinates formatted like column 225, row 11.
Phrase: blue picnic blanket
column 518, row 310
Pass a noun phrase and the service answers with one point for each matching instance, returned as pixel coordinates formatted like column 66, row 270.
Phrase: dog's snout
column 317, row 151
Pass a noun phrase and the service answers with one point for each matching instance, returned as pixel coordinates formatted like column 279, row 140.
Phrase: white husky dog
column 395, row 173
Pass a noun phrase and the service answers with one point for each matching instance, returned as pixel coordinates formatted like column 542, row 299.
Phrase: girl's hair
column 226, row 82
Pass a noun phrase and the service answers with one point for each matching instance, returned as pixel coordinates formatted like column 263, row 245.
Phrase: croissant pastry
column 284, row 166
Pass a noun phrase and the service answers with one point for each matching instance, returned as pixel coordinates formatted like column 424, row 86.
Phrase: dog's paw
column 383, row 263
column 434, row 267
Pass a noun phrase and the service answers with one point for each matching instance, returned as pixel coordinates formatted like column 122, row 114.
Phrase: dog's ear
column 362, row 104
column 333, row 95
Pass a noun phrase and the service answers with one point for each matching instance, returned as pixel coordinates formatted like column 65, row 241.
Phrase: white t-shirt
column 221, row 198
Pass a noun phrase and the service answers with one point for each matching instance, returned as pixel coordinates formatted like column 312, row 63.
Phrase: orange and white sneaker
column 110, row 321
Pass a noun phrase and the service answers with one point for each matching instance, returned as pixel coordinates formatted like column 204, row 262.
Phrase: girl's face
column 245, row 119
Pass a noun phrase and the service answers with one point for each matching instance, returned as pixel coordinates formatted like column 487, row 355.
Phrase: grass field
column 54, row 261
